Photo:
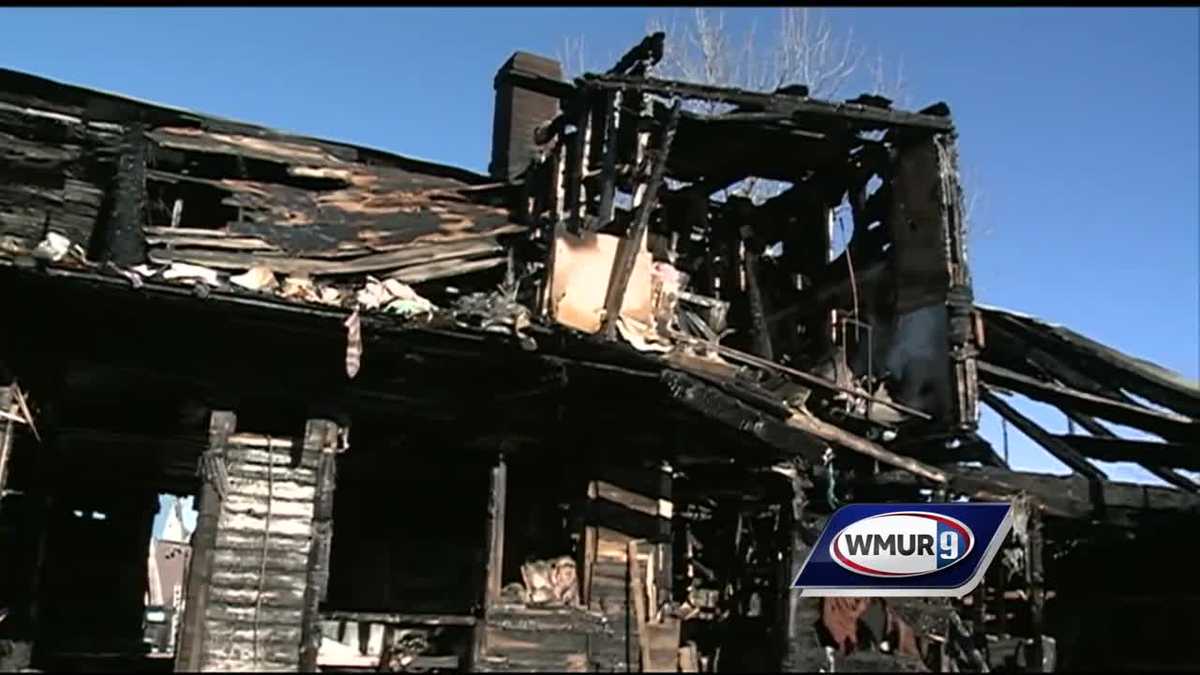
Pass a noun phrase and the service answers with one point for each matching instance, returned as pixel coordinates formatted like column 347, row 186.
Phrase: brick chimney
column 518, row 112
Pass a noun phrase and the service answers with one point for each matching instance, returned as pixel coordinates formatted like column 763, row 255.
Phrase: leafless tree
column 802, row 47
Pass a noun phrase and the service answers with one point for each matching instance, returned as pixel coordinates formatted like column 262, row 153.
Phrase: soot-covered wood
column 99, row 168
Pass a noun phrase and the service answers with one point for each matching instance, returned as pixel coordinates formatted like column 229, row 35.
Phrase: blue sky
column 1079, row 128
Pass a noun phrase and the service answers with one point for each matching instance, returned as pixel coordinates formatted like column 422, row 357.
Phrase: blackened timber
column 1142, row 378
column 494, row 561
column 820, row 382
column 823, row 430
column 758, row 313
column 574, row 168
column 614, row 515
column 1169, row 425
column 124, row 243
column 405, row 257
column 716, row 404
column 1053, row 367
column 1178, row 455
column 497, row 502
column 204, row 538
column 8, row 405
column 608, row 171
column 774, row 102
column 1061, row 451
column 1163, row 472
column 1063, row 496
column 646, row 53
column 1118, row 370
column 629, row 246
column 799, row 653
column 320, row 438
column 1035, row 580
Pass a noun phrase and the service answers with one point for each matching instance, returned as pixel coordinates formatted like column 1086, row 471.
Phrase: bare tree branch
column 974, row 203
column 802, row 48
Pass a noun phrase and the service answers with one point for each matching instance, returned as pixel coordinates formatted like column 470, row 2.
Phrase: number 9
column 948, row 543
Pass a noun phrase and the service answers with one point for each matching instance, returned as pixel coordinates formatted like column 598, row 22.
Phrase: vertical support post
column 1041, row 655
column 204, row 540
column 637, row 604
column 758, row 313
column 608, row 171
column 628, row 248
column 124, row 242
column 799, row 649
column 37, row 525
column 8, row 404
column 664, row 566
column 321, row 438
column 960, row 298
column 493, row 574
column 576, row 163
column 496, row 512
column 553, row 224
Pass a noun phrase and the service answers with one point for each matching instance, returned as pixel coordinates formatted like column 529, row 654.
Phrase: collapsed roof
column 623, row 199
column 651, row 273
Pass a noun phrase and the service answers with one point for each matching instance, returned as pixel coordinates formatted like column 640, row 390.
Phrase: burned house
column 585, row 413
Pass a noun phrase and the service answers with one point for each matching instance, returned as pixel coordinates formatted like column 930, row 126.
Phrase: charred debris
column 585, row 413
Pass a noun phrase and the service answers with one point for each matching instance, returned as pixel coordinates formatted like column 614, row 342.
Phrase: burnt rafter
column 1055, row 446
column 1170, row 425
column 1116, row 369
column 1175, row 455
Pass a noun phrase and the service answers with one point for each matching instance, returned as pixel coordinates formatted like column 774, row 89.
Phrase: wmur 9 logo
column 916, row 550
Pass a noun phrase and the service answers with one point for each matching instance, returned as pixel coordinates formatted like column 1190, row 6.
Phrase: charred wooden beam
column 727, row 409
column 9, row 411
column 1114, row 368
column 794, row 105
column 1164, row 423
column 1052, row 367
column 758, row 311
column 608, row 169
column 637, row 593
column 1178, row 455
column 320, row 438
column 628, row 248
column 1035, row 582
column 1062, row 496
column 193, row 626
column 800, row 651
column 1163, row 472
column 828, row 432
column 1061, row 451
column 575, row 165
column 646, row 53
column 1169, row 425
column 401, row 259
column 493, row 569
column 959, row 298
column 497, row 503
column 124, row 243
